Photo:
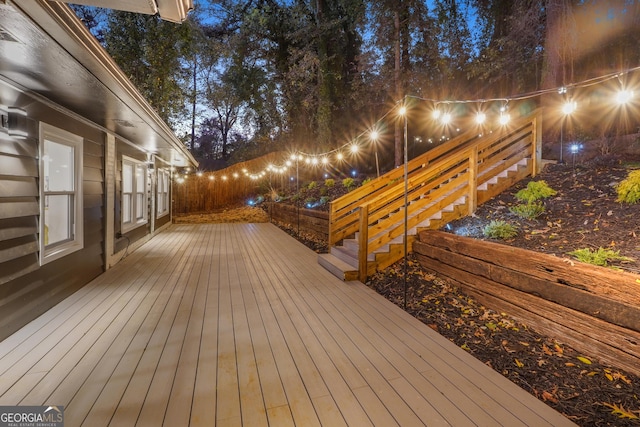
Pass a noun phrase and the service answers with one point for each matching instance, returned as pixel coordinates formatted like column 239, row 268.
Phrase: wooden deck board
column 236, row 324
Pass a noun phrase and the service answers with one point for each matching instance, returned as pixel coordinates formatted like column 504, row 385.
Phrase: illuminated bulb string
column 624, row 96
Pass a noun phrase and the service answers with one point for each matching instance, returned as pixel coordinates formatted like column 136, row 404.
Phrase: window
column 61, row 224
column 134, row 194
column 163, row 192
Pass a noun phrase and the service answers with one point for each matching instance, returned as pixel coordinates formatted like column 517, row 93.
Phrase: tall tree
column 405, row 56
column 152, row 53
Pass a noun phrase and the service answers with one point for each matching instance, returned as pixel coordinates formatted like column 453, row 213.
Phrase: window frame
column 136, row 221
column 163, row 192
column 52, row 252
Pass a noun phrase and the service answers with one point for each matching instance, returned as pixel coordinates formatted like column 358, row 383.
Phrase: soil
column 583, row 214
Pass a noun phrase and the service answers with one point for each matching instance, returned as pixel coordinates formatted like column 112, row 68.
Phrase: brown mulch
column 583, row 214
column 230, row 215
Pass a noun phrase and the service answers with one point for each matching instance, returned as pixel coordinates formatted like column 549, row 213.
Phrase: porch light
column 17, row 123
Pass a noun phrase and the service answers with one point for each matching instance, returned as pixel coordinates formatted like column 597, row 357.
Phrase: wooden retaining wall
column 313, row 221
column 595, row 310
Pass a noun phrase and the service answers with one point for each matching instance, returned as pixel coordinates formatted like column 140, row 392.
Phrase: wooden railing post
column 473, row 180
column 330, row 238
column 536, row 145
column 363, row 242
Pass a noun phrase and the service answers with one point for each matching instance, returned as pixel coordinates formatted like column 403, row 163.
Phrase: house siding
column 26, row 288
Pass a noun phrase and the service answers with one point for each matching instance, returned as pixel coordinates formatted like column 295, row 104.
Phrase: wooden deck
column 237, row 324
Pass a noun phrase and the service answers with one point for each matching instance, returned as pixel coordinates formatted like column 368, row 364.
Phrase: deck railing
column 439, row 178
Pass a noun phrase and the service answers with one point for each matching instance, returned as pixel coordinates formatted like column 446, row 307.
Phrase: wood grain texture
column 236, row 324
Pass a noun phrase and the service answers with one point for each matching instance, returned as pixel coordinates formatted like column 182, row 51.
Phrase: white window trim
column 126, row 227
column 164, row 196
column 60, row 136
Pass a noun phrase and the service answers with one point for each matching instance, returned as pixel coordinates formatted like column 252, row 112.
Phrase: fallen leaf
column 558, row 349
column 584, row 360
column 569, row 364
column 621, row 412
column 519, row 364
column 546, row 350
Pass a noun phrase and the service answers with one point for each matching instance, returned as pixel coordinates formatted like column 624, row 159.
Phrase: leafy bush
column 324, row 200
column 366, row 181
column 629, row 189
column 600, row 257
column 329, row 182
column 499, row 230
column 530, row 210
column 348, row 183
column 535, row 190
column 312, row 185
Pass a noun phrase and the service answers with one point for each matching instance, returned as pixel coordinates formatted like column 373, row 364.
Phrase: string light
column 569, row 107
column 625, row 95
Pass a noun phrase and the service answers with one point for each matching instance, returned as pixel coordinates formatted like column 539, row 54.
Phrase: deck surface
column 237, row 325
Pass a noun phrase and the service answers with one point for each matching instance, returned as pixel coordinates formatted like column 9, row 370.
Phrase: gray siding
column 26, row 288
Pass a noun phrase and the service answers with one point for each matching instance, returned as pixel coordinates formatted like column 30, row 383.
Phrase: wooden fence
column 593, row 309
column 307, row 220
column 210, row 191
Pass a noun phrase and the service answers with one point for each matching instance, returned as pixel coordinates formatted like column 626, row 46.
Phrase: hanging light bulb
column 354, row 147
column 325, row 160
column 314, row 160
column 624, row 96
column 446, row 118
column 504, row 118
column 569, row 107
column 339, row 156
column 480, row 117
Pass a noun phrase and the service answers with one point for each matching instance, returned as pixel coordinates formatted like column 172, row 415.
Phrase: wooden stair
column 367, row 226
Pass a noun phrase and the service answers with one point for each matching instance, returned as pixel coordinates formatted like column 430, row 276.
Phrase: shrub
column 499, row 230
column 324, row 200
column 600, row 257
column 366, row 181
column 629, row 189
column 535, row 190
column 348, row 183
column 312, row 185
column 329, row 182
column 530, row 210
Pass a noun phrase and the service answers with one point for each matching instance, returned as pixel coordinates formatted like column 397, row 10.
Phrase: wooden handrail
column 436, row 179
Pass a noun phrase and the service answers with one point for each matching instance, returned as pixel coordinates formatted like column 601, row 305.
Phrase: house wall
column 28, row 289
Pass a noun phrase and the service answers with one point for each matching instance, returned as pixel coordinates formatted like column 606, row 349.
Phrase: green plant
column 366, row 181
column 324, row 200
column 499, row 230
column 329, row 182
column 529, row 210
column 535, row 190
column 312, row 185
column 348, row 183
column 309, row 202
column 600, row 257
column 629, row 189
